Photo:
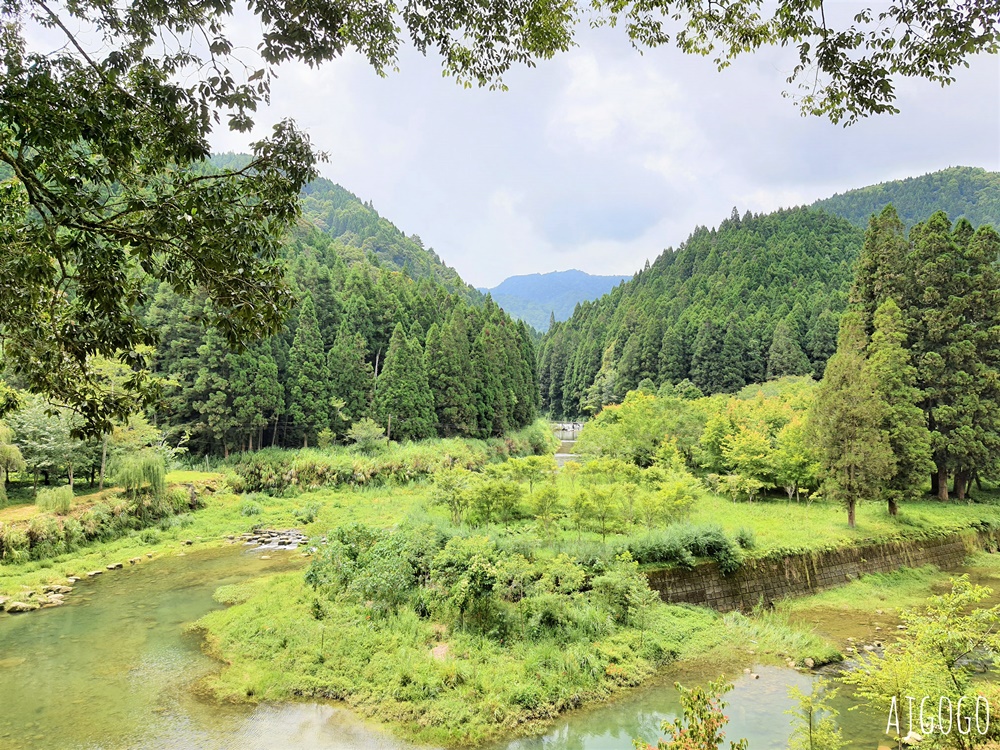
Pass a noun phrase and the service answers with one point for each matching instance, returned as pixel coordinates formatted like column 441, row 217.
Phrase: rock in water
column 16, row 607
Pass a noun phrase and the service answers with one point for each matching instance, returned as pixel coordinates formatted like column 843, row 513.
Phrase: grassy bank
column 448, row 686
column 438, row 675
column 224, row 514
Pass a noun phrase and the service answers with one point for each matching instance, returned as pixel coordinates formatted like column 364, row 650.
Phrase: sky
column 601, row 158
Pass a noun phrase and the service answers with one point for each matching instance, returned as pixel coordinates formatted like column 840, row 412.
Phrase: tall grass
column 55, row 499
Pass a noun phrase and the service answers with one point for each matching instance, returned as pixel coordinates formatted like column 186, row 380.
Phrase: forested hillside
column 967, row 192
column 365, row 341
column 758, row 297
column 361, row 233
column 538, row 297
column 381, row 330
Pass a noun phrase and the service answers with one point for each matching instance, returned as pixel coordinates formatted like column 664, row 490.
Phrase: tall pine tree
column 309, row 397
column 351, row 377
column 403, row 400
column 785, row 357
column 847, row 420
column 895, row 380
column 449, row 374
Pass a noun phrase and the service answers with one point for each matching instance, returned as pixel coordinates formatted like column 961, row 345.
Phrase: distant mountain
column 534, row 297
column 958, row 191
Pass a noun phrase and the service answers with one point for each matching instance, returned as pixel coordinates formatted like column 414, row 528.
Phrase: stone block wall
column 768, row 581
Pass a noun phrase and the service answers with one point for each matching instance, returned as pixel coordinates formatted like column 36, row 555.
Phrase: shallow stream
column 114, row 668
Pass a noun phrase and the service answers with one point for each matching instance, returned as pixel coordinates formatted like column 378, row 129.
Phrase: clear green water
column 114, row 669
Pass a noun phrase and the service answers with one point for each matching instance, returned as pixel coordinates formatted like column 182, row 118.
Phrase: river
column 114, row 668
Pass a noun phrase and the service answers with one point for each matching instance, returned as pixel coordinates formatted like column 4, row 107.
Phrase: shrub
column 179, row 499
column 45, row 537
column 307, row 514
column 746, row 538
column 14, row 544
column 250, row 508
column 72, row 534
column 55, row 499
column 682, row 543
column 149, row 536
column 367, row 435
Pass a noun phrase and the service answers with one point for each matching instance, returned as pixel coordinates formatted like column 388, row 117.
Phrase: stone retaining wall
column 768, row 581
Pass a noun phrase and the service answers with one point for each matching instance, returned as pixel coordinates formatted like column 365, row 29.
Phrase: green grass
column 475, row 689
column 211, row 525
column 456, row 688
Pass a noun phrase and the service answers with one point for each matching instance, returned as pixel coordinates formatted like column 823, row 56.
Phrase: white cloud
column 601, row 157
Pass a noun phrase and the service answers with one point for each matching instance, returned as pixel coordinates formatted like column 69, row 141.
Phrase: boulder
column 17, row 607
column 115, row 566
column 57, row 589
column 94, row 573
column 809, row 663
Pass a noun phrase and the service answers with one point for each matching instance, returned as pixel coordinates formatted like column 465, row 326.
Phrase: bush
column 307, row 514
column 746, row 538
column 140, row 473
column 72, row 534
column 14, row 544
column 682, row 543
column 149, row 536
column 45, row 537
column 250, row 508
column 55, row 499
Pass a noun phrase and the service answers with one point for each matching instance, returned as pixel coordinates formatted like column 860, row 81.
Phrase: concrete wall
column 768, row 581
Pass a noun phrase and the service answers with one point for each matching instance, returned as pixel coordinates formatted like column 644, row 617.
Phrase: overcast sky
column 601, row 158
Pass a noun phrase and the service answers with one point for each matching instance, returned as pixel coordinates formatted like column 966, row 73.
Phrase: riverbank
column 452, row 687
column 225, row 515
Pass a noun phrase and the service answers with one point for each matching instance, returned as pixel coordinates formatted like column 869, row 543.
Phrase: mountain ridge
column 535, row 297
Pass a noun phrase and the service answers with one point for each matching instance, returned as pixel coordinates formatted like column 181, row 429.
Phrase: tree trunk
column 250, row 442
column 942, row 482
column 70, row 472
column 961, row 484
column 893, row 507
column 104, row 460
column 305, row 440
column 850, row 512
column 225, row 450
column 934, row 483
